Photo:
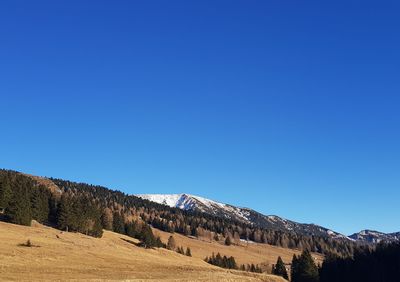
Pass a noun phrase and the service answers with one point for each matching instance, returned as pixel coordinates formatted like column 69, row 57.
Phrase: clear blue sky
column 288, row 107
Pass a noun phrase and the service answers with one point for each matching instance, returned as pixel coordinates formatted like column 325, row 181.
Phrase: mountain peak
column 183, row 201
column 372, row 236
column 196, row 203
column 190, row 202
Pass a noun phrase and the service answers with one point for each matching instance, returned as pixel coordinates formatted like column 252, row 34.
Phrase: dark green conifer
column 305, row 269
column 64, row 214
column 19, row 208
column 40, row 204
column 280, row 269
column 5, row 192
column 118, row 223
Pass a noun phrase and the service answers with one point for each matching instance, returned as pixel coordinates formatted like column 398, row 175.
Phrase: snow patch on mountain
column 182, row 201
column 196, row 203
column 192, row 202
column 374, row 237
column 170, row 200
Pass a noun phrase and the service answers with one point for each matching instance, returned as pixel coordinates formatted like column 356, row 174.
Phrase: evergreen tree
column 40, row 204
column 19, row 208
column 228, row 241
column 188, row 252
column 93, row 226
column 131, row 229
column 64, row 214
column 5, row 192
column 53, row 211
column 118, row 223
column 231, row 263
column 171, row 245
column 220, row 261
column 294, row 268
column 280, row 269
column 305, row 269
column 148, row 240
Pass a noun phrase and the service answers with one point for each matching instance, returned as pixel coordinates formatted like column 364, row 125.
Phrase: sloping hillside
column 89, row 209
column 245, row 253
column 57, row 255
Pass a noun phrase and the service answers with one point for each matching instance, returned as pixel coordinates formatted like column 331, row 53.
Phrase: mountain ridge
column 190, row 202
column 375, row 237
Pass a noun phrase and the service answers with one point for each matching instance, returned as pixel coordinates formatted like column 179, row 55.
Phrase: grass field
column 263, row 254
column 57, row 255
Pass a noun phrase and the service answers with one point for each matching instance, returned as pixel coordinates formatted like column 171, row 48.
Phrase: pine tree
column 64, row 214
column 252, row 268
column 294, row 268
column 53, row 211
column 280, row 269
column 188, row 252
column 40, row 204
column 181, row 250
column 92, row 225
column 131, row 229
column 147, row 238
column 231, row 263
column 171, row 245
column 228, row 241
column 118, row 223
column 305, row 269
column 19, row 208
column 5, row 192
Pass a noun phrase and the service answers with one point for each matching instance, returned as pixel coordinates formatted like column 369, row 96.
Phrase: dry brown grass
column 262, row 254
column 71, row 256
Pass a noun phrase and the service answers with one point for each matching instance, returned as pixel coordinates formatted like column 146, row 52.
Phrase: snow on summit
column 165, row 199
column 191, row 202
column 195, row 203
column 182, row 201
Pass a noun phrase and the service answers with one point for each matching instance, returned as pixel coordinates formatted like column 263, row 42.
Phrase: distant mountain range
column 370, row 236
column 196, row 203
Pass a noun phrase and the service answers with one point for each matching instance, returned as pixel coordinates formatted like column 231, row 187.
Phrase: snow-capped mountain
column 196, row 203
column 370, row 236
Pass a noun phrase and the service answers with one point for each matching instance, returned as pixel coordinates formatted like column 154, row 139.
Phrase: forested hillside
column 89, row 209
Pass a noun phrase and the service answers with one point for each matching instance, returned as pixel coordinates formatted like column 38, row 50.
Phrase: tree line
column 367, row 265
column 88, row 208
column 381, row 264
column 200, row 224
column 23, row 199
column 230, row 263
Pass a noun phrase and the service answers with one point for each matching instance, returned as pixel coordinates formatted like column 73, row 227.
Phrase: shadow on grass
column 131, row 242
column 28, row 244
